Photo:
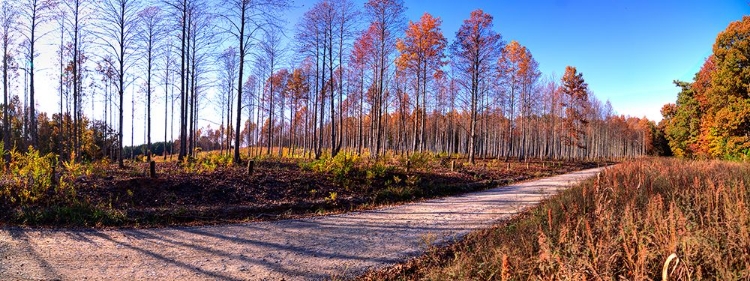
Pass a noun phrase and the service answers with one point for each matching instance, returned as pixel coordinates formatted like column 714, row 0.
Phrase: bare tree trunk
column 183, row 83
column 32, row 52
column 76, row 81
column 6, row 119
column 360, row 141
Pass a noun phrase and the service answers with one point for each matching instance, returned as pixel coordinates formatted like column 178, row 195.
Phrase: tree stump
column 53, row 178
column 152, row 169
column 250, row 167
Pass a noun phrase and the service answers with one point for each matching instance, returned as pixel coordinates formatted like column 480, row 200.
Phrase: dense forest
column 355, row 79
column 711, row 118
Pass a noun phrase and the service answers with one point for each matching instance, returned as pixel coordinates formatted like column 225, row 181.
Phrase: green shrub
column 206, row 162
column 378, row 170
column 72, row 213
column 72, row 170
column 2, row 155
column 397, row 193
column 99, row 167
column 342, row 165
column 31, row 175
column 418, row 160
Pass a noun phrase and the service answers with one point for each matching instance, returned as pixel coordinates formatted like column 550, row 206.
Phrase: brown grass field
column 623, row 225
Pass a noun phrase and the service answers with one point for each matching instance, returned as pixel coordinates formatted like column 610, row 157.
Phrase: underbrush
column 340, row 166
column 70, row 214
column 47, row 191
column 623, row 225
column 40, row 189
column 207, row 162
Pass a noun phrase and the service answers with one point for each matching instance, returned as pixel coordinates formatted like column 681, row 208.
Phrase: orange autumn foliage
column 718, row 100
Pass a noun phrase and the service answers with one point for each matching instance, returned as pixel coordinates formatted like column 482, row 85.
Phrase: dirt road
column 305, row 249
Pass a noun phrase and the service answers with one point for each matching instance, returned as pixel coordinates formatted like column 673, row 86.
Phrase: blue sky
column 629, row 51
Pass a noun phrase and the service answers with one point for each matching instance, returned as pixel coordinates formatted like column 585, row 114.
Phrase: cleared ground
column 315, row 248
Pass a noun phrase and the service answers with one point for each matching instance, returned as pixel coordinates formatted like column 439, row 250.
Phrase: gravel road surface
column 304, row 249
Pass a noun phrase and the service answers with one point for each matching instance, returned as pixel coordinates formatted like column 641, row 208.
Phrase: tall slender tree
column 311, row 41
column 76, row 21
column 34, row 13
column 168, row 74
column 387, row 19
column 362, row 61
column 230, row 64
column 8, row 15
column 271, row 51
column 179, row 10
column 61, row 20
column 149, row 35
column 575, row 104
column 250, row 104
column 474, row 50
column 422, row 54
column 117, row 30
column 245, row 18
column 346, row 20
column 202, row 40
column 298, row 89
column 518, row 72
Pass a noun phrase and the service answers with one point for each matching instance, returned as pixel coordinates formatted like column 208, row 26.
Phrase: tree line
column 348, row 78
column 711, row 117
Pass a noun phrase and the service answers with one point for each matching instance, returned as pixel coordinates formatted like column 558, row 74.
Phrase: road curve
column 304, row 249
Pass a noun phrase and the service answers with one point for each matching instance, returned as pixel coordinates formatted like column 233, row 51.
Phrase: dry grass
column 623, row 226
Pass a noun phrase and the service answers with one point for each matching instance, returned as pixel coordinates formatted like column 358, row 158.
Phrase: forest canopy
column 711, row 117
